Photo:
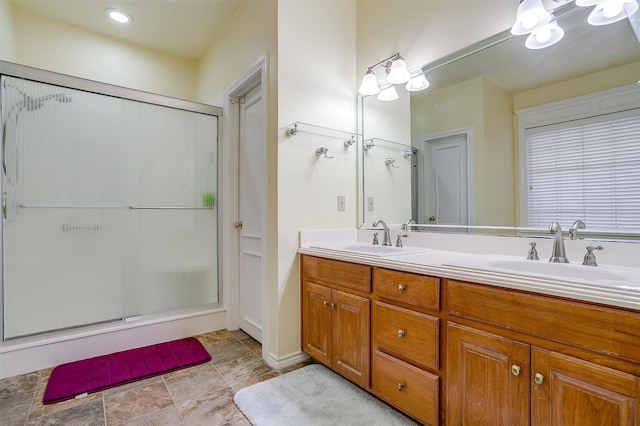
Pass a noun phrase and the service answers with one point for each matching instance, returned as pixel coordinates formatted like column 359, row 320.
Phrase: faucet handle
column 590, row 258
column 533, row 253
column 375, row 239
column 399, row 240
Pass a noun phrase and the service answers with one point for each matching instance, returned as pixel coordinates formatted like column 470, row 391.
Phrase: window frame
column 606, row 102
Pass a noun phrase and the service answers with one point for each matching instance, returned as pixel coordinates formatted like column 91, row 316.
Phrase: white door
column 252, row 187
column 446, row 180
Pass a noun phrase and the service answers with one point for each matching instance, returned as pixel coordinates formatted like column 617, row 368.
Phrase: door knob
column 538, row 378
column 238, row 224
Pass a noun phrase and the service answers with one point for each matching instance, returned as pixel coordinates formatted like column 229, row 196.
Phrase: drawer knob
column 400, row 387
column 538, row 378
column 400, row 333
column 401, row 288
column 515, row 370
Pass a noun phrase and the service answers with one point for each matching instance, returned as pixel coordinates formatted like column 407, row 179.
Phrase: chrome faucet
column 405, row 226
column 573, row 231
column 557, row 254
column 386, row 239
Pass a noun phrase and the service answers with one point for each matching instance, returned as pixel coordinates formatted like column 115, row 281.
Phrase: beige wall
column 316, row 81
column 7, row 41
column 487, row 110
column 43, row 43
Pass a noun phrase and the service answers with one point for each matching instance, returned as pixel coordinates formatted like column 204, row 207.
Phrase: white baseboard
column 285, row 361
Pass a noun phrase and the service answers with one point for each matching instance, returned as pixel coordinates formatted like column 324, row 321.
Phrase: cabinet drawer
column 406, row 387
column 610, row 331
column 406, row 334
column 337, row 273
column 405, row 287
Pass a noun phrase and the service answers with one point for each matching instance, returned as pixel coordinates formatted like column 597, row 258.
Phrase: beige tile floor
column 200, row 395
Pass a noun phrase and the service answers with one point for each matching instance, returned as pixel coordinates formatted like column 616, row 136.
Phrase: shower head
column 32, row 104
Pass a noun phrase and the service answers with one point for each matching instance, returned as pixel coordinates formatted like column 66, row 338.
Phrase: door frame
column 229, row 210
column 421, row 142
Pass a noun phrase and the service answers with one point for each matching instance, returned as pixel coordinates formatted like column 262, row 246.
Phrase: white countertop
column 460, row 265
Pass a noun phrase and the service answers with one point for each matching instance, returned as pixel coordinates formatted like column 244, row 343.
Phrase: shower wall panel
column 105, row 217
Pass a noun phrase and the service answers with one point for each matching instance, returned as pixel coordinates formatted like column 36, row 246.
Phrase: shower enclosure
column 109, row 203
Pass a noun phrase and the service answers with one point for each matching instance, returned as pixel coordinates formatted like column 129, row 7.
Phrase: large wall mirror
column 464, row 127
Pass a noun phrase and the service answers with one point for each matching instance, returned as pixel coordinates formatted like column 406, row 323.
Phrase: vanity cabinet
column 336, row 323
column 405, row 339
column 507, row 377
column 493, row 380
column 453, row 352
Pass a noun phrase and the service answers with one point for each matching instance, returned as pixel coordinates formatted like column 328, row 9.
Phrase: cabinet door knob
column 325, row 303
column 333, row 306
column 538, row 378
column 400, row 387
column 401, row 288
column 515, row 370
column 400, row 333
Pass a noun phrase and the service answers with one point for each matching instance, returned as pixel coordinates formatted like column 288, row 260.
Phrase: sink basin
column 371, row 250
column 607, row 275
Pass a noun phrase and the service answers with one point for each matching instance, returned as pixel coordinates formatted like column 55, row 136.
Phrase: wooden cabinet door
column 351, row 337
column 488, row 379
column 316, row 321
column 576, row 392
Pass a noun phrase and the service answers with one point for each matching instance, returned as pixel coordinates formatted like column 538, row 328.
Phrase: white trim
column 32, row 354
column 593, row 104
column 256, row 74
column 418, row 142
column 285, row 361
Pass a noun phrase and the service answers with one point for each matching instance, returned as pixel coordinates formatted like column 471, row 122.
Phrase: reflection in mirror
column 387, row 175
column 476, row 92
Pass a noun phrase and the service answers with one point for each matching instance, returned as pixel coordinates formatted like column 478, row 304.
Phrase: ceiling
column 184, row 28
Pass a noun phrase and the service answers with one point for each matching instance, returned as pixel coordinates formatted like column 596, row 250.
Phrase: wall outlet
column 370, row 204
column 340, row 203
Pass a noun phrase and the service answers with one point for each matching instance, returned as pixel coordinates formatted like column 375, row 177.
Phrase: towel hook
column 292, row 132
column 391, row 162
column 368, row 145
column 323, row 151
column 349, row 142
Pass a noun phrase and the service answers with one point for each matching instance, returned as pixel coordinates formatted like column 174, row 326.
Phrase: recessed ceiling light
column 119, row 15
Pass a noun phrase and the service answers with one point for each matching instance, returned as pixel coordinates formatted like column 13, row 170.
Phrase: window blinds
column 585, row 169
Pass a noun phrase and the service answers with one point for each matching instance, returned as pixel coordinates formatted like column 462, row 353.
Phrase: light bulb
column 417, row 83
column 529, row 21
column 543, row 35
column 611, row 8
column 119, row 15
column 369, row 84
column 398, row 72
column 388, row 94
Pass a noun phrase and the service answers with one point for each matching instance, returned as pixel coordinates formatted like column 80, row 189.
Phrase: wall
column 7, row 42
column 43, row 43
column 316, row 84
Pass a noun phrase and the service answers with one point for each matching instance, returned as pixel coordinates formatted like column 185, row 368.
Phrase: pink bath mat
column 103, row 372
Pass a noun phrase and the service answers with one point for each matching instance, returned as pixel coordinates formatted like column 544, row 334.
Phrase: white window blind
column 585, row 169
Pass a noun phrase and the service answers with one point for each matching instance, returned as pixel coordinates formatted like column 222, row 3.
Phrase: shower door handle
column 4, row 205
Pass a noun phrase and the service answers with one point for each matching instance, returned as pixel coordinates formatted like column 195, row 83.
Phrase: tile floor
column 200, row 395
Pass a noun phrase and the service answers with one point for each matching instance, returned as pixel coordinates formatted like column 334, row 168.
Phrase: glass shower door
column 104, row 217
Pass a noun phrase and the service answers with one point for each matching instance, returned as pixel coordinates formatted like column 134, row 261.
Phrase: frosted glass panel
column 105, row 216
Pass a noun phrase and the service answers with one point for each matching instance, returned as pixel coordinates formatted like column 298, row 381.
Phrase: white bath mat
column 314, row 396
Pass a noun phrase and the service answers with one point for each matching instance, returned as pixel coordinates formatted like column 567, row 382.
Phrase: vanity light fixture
column 396, row 73
column 119, row 15
column 609, row 11
column 388, row 94
column 417, row 83
column 530, row 17
column 546, row 36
